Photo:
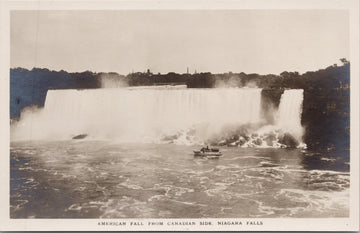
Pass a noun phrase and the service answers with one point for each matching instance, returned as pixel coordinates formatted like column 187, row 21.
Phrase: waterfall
column 289, row 113
column 179, row 115
column 132, row 114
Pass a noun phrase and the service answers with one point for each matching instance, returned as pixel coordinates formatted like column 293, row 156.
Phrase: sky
column 217, row 41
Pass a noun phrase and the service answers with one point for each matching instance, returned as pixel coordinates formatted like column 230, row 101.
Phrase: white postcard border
column 248, row 224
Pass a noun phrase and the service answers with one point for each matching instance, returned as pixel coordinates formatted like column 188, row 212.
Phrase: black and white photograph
column 181, row 118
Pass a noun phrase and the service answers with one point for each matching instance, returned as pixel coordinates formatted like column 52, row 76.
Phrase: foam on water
column 168, row 181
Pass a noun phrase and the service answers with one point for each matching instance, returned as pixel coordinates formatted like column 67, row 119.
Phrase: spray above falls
column 183, row 116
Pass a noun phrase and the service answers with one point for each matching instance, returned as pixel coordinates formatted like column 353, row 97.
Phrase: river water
column 100, row 179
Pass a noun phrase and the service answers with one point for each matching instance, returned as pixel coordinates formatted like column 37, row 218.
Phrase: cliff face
column 326, row 109
column 326, row 105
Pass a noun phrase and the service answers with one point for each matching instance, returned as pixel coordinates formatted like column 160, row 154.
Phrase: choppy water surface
column 89, row 179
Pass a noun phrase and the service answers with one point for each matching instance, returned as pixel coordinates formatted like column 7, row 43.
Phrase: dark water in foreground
column 83, row 179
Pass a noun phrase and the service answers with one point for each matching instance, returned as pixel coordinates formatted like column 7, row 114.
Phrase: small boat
column 209, row 152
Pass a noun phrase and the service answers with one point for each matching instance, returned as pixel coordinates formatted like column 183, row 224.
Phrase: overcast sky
column 250, row 41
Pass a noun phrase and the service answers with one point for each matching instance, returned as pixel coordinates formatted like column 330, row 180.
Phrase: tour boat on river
column 206, row 151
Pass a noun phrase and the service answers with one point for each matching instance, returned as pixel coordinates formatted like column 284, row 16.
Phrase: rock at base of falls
column 80, row 136
column 289, row 141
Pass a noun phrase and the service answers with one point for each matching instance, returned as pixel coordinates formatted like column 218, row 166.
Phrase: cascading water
column 289, row 114
column 153, row 115
column 132, row 115
column 286, row 130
